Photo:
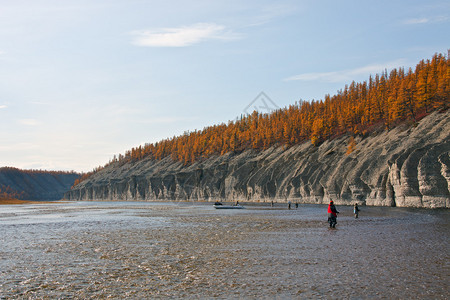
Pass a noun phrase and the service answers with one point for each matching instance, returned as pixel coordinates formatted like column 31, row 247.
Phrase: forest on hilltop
column 385, row 100
column 29, row 184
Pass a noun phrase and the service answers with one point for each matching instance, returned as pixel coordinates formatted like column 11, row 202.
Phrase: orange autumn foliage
column 385, row 99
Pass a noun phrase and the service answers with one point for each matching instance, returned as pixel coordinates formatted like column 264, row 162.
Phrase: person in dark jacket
column 332, row 215
column 356, row 210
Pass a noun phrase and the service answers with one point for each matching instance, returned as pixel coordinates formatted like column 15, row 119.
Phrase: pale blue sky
column 82, row 80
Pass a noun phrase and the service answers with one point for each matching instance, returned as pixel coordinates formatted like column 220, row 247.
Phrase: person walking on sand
column 356, row 210
column 332, row 215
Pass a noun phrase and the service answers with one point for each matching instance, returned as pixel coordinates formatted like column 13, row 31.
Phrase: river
column 138, row 250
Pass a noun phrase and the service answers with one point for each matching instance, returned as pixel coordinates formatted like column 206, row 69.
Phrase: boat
column 219, row 205
column 228, row 206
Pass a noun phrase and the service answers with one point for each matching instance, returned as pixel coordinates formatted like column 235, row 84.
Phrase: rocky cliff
column 37, row 185
column 408, row 166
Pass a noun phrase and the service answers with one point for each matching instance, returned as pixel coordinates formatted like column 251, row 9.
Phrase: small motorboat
column 219, row 205
column 228, row 207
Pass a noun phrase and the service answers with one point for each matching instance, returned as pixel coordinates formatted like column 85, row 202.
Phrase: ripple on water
column 141, row 250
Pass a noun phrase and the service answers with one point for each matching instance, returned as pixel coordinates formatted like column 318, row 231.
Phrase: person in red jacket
column 332, row 215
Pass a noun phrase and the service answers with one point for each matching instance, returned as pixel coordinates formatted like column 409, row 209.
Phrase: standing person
column 356, row 210
column 289, row 205
column 332, row 214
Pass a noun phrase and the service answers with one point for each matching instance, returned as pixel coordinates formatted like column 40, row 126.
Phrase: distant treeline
column 384, row 101
column 34, row 184
column 7, row 193
column 34, row 171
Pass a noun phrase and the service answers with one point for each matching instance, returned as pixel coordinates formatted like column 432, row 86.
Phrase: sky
column 84, row 80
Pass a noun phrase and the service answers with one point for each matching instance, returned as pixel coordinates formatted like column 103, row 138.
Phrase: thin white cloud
column 435, row 19
column 274, row 11
column 416, row 21
column 29, row 122
column 3, row 106
column 181, row 36
column 346, row 75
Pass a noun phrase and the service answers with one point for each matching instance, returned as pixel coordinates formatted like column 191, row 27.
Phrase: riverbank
column 17, row 201
column 13, row 201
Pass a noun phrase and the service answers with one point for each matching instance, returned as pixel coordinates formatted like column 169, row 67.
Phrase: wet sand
column 142, row 250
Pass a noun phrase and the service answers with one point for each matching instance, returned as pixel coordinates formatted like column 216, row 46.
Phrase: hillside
column 386, row 100
column 34, row 184
column 384, row 141
column 406, row 166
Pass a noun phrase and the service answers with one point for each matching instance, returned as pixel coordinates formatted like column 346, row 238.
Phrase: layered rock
column 408, row 166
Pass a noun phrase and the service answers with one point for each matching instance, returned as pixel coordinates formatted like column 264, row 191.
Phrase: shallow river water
column 145, row 250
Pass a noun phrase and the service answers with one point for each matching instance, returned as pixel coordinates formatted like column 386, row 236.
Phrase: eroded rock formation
column 408, row 166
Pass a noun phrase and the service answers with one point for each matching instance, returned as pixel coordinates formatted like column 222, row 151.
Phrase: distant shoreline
column 17, row 201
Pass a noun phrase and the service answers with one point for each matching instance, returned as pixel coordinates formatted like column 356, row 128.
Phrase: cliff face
column 407, row 166
column 39, row 185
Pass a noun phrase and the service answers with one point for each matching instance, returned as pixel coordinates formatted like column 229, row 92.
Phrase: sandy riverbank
column 17, row 201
